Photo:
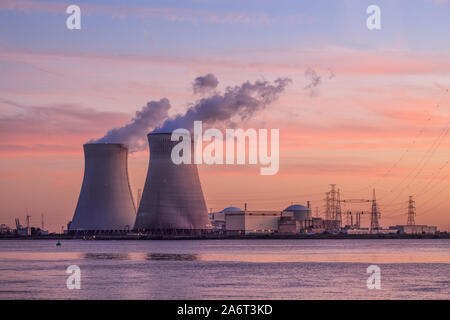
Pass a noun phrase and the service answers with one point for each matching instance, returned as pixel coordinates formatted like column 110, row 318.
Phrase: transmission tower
column 338, row 208
column 349, row 218
column 333, row 198
column 374, row 224
column 327, row 206
column 411, row 212
column 331, row 203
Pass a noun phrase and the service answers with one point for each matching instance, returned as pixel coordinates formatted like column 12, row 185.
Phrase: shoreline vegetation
column 340, row 236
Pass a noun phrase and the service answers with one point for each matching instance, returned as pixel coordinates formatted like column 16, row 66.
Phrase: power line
column 406, row 151
column 423, row 161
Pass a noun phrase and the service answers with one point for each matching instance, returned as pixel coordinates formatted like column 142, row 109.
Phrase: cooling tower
column 172, row 196
column 105, row 201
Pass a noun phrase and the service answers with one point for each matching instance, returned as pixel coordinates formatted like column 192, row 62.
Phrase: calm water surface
column 225, row 269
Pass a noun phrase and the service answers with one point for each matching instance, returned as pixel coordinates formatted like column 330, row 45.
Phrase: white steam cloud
column 239, row 102
column 134, row 133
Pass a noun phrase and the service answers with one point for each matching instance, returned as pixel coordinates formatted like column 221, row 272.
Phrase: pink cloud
column 56, row 128
column 345, row 61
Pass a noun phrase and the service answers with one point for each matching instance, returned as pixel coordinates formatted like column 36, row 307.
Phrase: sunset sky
column 379, row 118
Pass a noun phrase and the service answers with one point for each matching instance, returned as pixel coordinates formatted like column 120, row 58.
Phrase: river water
column 226, row 269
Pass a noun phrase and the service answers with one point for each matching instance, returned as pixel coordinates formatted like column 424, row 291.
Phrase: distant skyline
column 378, row 118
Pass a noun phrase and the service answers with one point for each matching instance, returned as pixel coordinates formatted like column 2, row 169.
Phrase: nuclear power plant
column 172, row 202
column 172, row 198
column 105, row 201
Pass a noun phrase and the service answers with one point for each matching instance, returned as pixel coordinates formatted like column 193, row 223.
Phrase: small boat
column 58, row 244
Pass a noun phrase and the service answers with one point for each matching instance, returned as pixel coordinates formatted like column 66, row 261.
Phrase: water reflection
column 321, row 255
column 173, row 256
column 142, row 256
column 412, row 269
column 107, row 256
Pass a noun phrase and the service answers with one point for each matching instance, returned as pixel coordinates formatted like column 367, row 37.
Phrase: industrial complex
column 295, row 219
column 172, row 202
column 298, row 219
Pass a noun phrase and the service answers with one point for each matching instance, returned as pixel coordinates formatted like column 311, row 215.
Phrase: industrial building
column 414, row 229
column 369, row 231
column 27, row 230
column 288, row 224
column 172, row 198
column 217, row 220
column 4, row 229
column 292, row 220
column 318, row 225
column 105, row 201
column 238, row 221
column 295, row 219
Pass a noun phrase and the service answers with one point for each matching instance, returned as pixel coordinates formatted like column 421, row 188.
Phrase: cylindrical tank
column 172, row 196
column 105, row 201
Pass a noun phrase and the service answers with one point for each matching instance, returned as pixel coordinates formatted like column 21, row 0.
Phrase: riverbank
column 339, row 236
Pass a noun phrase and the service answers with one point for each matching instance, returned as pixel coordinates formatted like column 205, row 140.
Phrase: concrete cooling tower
column 172, row 196
column 105, row 201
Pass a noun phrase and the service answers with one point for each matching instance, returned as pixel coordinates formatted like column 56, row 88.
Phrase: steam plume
column 314, row 81
column 133, row 134
column 239, row 102
column 205, row 84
